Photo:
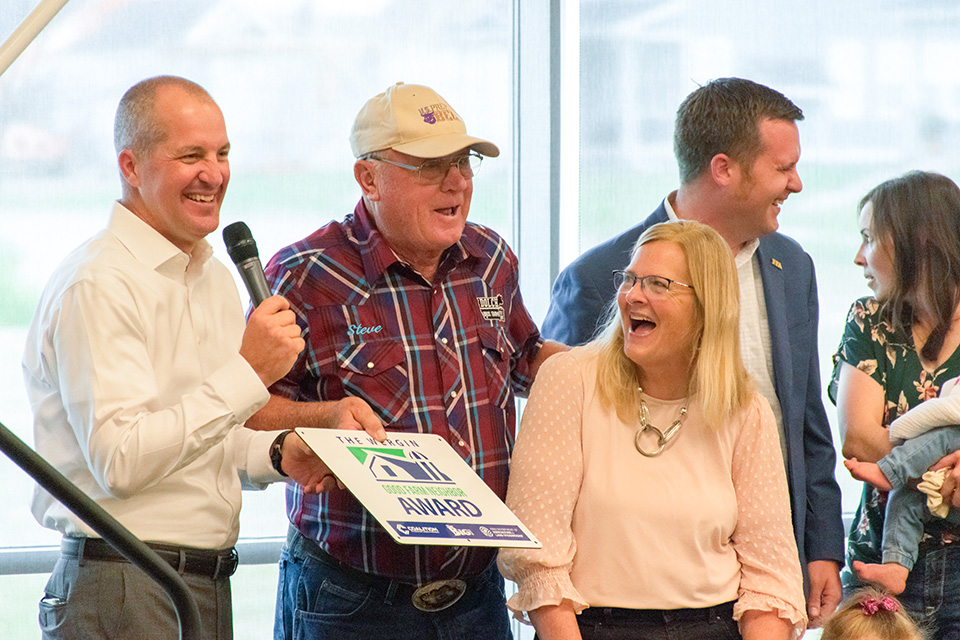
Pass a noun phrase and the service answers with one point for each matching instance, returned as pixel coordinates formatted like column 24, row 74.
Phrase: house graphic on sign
column 399, row 465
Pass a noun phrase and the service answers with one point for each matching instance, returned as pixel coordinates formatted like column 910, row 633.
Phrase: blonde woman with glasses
column 650, row 468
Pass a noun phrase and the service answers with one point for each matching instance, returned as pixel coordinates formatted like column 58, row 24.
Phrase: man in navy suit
column 737, row 146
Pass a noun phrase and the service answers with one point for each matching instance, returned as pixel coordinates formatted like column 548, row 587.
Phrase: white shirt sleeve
column 110, row 378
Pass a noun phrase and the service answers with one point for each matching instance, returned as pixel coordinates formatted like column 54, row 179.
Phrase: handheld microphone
column 243, row 251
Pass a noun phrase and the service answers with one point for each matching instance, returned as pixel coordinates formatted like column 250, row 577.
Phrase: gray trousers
column 94, row 599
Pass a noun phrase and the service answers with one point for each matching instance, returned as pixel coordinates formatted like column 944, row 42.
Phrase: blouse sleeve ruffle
column 771, row 578
column 753, row 601
column 543, row 587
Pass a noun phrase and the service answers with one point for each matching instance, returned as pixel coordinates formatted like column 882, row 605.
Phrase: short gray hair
column 135, row 126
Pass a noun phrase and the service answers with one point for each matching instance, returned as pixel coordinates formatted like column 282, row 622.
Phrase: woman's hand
column 950, row 489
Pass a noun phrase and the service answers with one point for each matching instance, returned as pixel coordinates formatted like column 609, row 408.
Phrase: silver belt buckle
column 438, row 595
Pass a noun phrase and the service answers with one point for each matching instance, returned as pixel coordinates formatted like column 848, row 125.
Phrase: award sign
column 419, row 489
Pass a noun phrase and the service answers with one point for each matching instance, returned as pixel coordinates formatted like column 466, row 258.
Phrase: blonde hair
column 870, row 613
column 718, row 378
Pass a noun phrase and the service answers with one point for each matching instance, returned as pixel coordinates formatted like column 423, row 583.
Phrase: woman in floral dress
column 898, row 348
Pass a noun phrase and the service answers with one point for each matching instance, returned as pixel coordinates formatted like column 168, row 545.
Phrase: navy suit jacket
column 585, row 288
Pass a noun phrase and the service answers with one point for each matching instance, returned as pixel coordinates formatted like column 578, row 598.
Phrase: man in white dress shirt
column 141, row 371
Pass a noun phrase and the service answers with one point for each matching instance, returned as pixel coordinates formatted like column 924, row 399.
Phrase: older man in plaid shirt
column 409, row 311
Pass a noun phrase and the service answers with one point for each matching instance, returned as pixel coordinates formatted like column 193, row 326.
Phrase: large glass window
column 289, row 75
column 877, row 81
column 878, row 84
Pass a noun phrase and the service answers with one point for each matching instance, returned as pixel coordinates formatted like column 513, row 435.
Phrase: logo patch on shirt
column 491, row 308
column 776, row 263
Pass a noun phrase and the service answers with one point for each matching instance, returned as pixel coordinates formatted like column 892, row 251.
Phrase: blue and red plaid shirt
column 443, row 357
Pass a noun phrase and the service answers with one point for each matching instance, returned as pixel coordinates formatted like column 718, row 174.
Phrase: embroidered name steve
column 359, row 329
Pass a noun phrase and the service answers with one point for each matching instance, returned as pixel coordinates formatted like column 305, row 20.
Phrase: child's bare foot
column 868, row 472
column 892, row 576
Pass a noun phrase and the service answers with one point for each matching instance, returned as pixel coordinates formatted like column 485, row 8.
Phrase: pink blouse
column 706, row 522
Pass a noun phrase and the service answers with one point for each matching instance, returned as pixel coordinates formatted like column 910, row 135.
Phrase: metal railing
column 118, row 536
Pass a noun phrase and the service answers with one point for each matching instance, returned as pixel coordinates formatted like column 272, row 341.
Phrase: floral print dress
column 889, row 357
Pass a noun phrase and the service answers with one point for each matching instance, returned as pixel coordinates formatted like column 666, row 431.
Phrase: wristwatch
column 276, row 452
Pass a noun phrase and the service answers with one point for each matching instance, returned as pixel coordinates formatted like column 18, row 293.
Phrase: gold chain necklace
column 663, row 437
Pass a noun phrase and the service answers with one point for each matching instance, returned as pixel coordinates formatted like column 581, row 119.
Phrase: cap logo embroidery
column 434, row 113
column 491, row 308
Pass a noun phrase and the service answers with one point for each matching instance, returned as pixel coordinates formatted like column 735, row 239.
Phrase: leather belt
column 614, row 615
column 431, row 597
column 210, row 563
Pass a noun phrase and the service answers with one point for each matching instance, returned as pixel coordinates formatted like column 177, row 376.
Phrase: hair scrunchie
column 872, row 605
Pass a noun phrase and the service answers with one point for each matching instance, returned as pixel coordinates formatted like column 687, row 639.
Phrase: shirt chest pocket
column 496, row 363
column 376, row 371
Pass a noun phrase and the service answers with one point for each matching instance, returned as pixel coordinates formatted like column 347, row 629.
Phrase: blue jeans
column 319, row 600
column 932, row 595
column 713, row 623
column 906, row 508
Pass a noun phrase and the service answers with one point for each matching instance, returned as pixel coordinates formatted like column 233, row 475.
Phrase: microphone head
column 240, row 243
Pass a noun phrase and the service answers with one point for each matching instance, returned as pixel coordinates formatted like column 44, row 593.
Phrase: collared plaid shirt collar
column 377, row 256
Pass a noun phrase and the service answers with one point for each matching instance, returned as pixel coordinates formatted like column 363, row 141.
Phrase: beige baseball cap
column 415, row 120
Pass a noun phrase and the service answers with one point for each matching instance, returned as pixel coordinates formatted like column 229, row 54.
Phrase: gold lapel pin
column 776, row 263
